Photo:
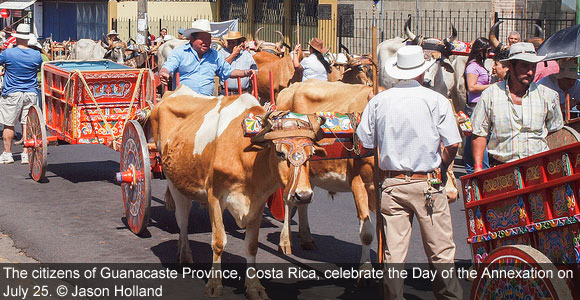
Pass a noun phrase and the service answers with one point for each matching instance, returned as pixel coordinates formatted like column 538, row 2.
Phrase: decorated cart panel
column 89, row 102
column 531, row 201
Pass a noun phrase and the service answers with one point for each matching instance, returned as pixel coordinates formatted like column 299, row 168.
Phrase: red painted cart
column 98, row 102
column 524, row 217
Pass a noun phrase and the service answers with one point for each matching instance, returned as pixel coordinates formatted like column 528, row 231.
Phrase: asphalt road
column 77, row 217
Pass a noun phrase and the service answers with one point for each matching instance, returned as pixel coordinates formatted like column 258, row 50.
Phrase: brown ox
column 356, row 71
column 206, row 158
column 340, row 175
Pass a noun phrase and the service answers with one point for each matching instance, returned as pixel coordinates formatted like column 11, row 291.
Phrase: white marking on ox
column 207, row 131
column 233, row 110
column 238, row 205
column 216, row 121
column 184, row 90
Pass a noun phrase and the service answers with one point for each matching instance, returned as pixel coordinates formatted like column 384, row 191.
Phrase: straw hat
column 233, row 35
column 408, row 63
column 22, row 32
column 318, row 45
column 113, row 32
column 199, row 26
column 524, row 51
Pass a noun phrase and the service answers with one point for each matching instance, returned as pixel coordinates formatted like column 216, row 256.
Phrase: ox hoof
column 366, row 282
column 256, row 293
column 309, row 245
column 286, row 249
column 213, row 288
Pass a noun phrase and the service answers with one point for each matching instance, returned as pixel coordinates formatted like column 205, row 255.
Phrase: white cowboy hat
column 199, row 26
column 112, row 32
column 524, row 51
column 33, row 42
column 22, row 32
column 408, row 63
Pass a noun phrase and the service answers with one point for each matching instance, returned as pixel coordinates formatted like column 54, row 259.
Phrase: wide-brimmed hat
column 408, row 63
column 113, row 32
column 568, row 69
column 22, row 32
column 33, row 42
column 318, row 45
column 199, row 26
column 524, row 51
column 233, row 35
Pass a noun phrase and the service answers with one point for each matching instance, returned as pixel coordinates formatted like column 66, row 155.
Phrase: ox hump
column 184, row 90
column 217, row 120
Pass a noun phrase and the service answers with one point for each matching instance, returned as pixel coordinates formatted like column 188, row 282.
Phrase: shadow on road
column 86, row 171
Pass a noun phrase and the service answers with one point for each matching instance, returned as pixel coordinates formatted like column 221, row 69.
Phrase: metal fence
column 524, row 23
column 127, row 27
column 353, row 30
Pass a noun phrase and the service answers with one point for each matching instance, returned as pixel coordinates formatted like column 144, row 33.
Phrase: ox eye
column 281, row 154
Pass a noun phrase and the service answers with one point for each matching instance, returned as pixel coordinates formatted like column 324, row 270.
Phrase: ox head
column 117, row 52
column 291, row 142
column 278, row 48
column 358, row 70
column 434, row 48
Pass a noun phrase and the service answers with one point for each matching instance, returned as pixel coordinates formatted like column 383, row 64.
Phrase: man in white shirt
column 409, row 123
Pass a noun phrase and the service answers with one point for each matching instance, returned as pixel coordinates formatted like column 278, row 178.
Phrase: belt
column 494, row 162
column 408, row 174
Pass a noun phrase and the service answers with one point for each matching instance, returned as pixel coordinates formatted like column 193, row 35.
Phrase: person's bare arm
column 478, row 145
column 473, row 86
column 448, row 155
column 235, row 52
column 242, row 73
column 164, row 76
column 295, row 60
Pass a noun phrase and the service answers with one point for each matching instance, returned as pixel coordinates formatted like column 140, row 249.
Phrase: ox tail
column 169, row 202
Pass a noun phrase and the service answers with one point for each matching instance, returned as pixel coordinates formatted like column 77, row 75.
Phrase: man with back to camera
column 410, row 123
column 197, row 63
column 19, row 92
column 515, row 114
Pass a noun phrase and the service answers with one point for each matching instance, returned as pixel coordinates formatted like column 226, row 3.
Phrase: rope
column 355, row 140
column 107, row 125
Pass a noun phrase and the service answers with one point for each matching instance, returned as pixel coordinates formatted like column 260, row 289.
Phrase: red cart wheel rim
column 525, row 260
column 136, row 195
column 36, row 130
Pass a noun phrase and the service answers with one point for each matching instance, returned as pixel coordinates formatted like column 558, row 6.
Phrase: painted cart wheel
column 36, row 143
column 525, row 260
column 135, row 177
column 565, row 136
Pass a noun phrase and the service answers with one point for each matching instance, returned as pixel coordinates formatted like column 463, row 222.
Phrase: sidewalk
column 11, row 254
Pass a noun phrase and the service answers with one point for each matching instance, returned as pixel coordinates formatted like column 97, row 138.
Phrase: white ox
column 434, row 49
column 206, row 158
column 86, row 49
column 165, row 50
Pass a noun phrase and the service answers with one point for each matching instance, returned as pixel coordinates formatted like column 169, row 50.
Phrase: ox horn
column 281, row 36
column 408, row 31
column 453, row 35
column 492, row 38
column 539, row 31
column 256, row 34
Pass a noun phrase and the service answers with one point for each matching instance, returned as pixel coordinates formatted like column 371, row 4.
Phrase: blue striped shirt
column 198, row 74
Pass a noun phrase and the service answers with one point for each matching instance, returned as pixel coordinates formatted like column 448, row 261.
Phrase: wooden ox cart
column 524, row 217
column 97, row 102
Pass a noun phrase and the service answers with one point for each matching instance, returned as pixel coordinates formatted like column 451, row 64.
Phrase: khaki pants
column 401, row 200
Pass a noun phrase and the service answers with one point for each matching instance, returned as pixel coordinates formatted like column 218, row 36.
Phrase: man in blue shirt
column 197, row 63
column 19, row 92
column 236, row 55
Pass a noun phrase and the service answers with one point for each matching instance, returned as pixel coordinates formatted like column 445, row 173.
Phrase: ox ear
column 319, row 151
column 445, row 63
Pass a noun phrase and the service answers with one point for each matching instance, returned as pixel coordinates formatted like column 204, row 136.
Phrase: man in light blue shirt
column 238, row 58
column 197, row 63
